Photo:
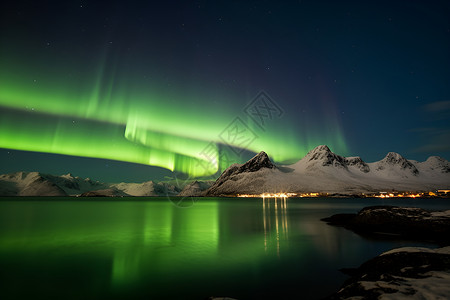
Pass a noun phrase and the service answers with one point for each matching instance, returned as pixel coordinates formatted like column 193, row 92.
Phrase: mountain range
column 323, row 171
column 40, row 184
column 320, row 170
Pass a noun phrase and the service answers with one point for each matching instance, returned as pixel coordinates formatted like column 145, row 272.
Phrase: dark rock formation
column 402, row 272
column 261, row 160
column 392, row 221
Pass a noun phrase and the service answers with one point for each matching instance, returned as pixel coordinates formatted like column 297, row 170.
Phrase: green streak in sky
column 43, row 133
column 105, row 115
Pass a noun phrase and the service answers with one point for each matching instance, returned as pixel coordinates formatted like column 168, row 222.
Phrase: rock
column 400, row 273
column 391, row 221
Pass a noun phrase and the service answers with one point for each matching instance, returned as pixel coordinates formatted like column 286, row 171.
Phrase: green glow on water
column 152, row 249
column 196, row 230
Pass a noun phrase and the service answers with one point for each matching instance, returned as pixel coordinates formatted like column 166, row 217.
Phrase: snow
column 435, row 285
column 195, row 188
column 38, row 184
column 441, row 214
column 319, row 171
column 427, row 285
column 444, row 250
column 323, row 171
column 28, row 184
column 136, row 189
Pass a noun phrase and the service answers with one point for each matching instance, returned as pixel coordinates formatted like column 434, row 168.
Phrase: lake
column 150, row 248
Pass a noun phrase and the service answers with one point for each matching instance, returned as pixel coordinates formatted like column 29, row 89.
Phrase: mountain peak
column 357, row 162
column 437, row 163
column 437, row 159
column 260, row 160
column 395, row 159
column 256, row 163
column 320, row 148
column 323, row 154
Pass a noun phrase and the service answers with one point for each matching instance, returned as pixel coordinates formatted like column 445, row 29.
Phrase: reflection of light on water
column 126, row 267
column 153, row 238
column 276, row 225
column 281, row 225
column 265, row 224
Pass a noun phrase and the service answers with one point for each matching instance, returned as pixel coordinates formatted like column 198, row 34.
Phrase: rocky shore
column 397, row 222
column 410, row 272
column 416, row 273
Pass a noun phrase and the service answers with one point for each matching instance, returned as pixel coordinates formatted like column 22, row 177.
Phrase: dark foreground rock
column 397, row 222
column 417, row 273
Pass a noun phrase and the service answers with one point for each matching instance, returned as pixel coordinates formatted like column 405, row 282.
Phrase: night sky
column 133, row 90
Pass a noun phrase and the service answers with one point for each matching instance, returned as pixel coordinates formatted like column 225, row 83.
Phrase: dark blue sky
column 379, row 70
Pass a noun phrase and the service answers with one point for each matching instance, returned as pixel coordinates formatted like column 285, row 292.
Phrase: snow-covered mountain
column 40, row 184
column 394, row 162
column 321, row 170
column 29, row 184
column 248, row 178
column 195, row 188
column 148, row 188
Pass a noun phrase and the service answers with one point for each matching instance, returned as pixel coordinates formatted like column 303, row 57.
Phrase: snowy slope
column 28, row 184
column 74, row 185
column 324, row 171
column 354, row 175
column 39, row 184
column 320, row 170
column 148, row 188
column 195, row 188
column 250, row 178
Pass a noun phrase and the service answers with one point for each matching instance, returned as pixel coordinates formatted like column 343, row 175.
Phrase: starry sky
column 139, row 90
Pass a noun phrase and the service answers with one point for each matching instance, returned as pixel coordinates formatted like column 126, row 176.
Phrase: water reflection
column 154, row 250
column 158, row 233
column 275, row 221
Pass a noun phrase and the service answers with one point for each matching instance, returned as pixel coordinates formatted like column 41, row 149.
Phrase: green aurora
column 115, row 115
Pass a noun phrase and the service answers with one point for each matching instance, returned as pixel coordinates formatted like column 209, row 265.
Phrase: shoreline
column 400, row 272
column 288, row 195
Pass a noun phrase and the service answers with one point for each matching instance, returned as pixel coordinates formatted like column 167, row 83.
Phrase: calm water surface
column 148, row 248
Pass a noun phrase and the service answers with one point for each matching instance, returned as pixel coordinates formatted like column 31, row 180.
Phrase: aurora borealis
column 175, row 85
